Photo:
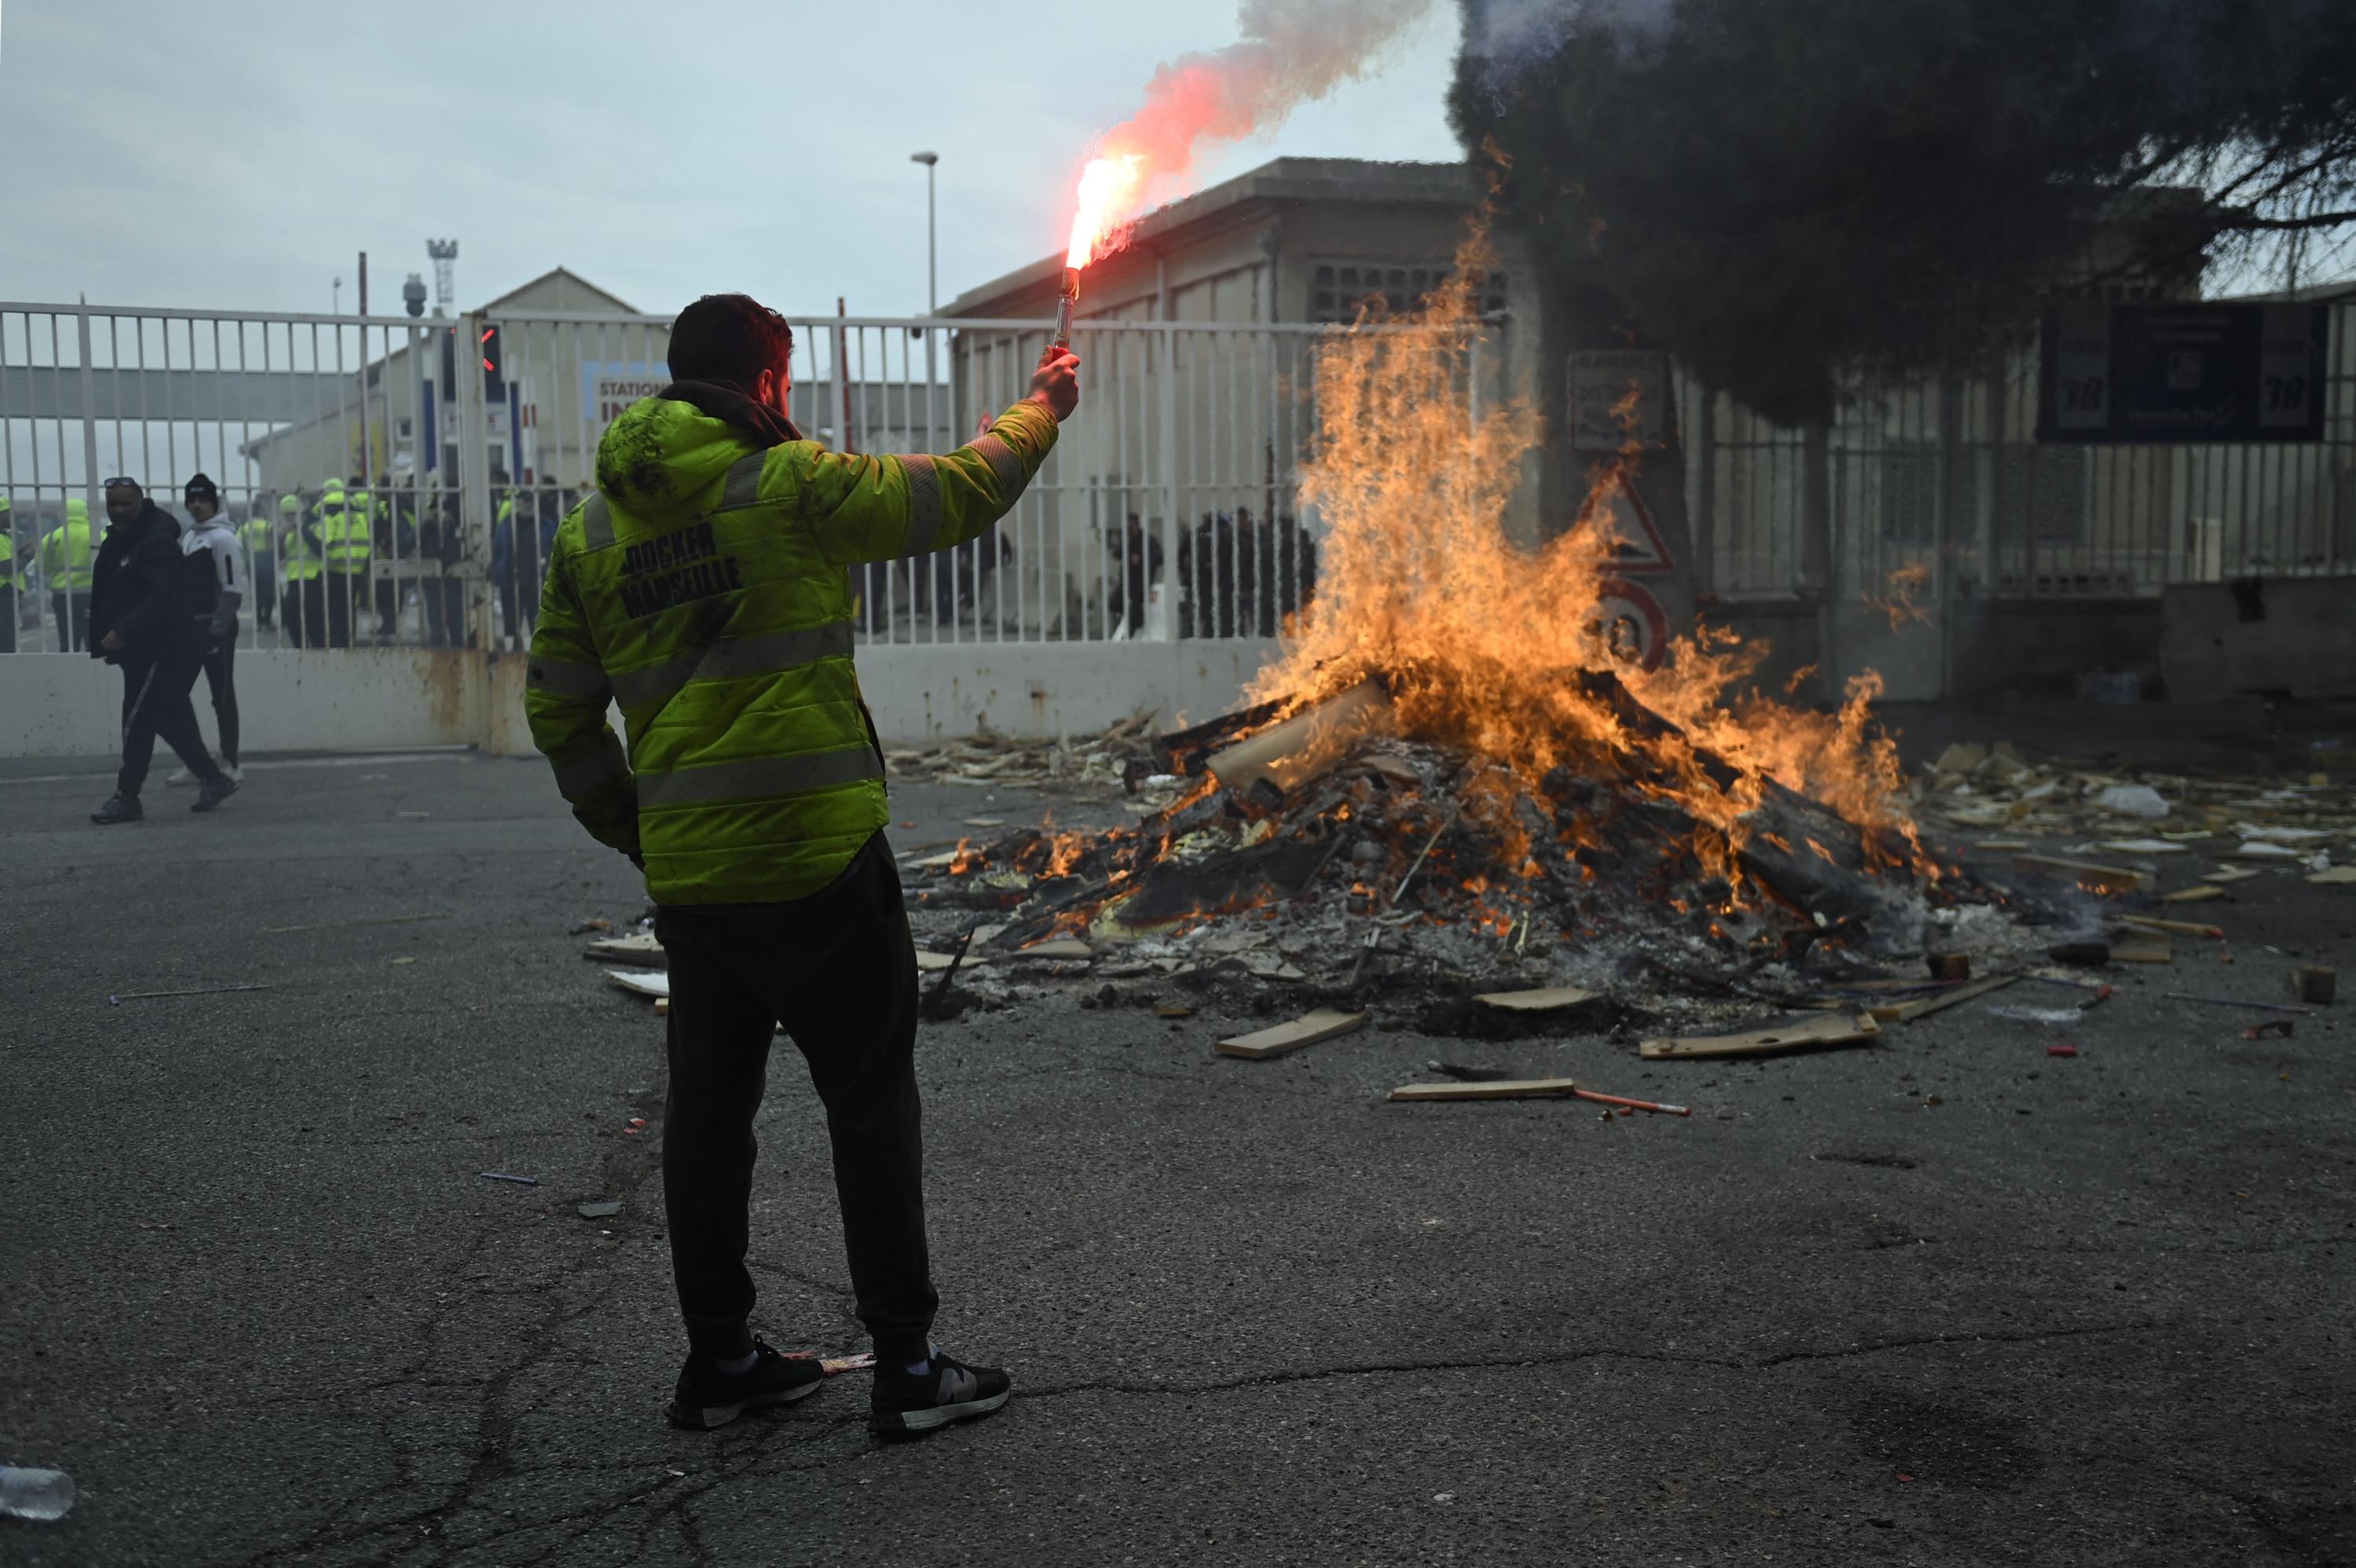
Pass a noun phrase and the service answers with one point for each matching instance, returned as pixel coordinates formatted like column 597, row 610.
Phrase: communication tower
column 443, row 252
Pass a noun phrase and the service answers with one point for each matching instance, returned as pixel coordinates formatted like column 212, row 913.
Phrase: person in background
column 440, row 546
column 345, row 543
column 11, row 577
column 139, row 622
column 64, row 566
column 217, row 587
column 259, row 535
column 301, row 603
column 1140, row 558
column 396, row 542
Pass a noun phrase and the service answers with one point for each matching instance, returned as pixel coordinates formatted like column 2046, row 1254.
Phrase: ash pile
column 1324, row 856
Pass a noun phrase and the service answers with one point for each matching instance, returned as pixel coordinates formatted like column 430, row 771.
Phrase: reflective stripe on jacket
column 703, row 587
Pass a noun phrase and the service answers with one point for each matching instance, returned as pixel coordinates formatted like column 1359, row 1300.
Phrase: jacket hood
column 664, row 449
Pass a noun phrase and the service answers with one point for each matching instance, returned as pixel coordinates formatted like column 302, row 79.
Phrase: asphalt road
column 1948, row 1300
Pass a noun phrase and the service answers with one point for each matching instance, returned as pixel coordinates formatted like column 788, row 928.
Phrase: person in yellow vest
column 66, row 556
column 704, row 585
column 345, row 546
column 303, row 606
column 258, row 534
column 11, row 577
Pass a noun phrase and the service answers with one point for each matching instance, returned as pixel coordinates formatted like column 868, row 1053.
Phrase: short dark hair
column 729, row 337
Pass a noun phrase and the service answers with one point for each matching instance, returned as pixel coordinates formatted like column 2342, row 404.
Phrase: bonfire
column 1454, row 763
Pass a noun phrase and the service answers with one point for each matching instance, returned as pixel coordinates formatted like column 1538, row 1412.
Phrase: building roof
column 1283, row 180
column 561, row 282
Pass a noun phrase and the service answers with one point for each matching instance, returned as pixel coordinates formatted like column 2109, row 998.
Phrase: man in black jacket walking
column 139, row 621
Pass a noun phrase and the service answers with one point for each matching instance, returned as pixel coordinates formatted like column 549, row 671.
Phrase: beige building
column 561, row 379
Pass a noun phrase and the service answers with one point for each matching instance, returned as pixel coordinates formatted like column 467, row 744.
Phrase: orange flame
column 1482, row 641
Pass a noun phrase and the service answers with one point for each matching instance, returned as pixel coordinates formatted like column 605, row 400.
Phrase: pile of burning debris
column 1327, row 855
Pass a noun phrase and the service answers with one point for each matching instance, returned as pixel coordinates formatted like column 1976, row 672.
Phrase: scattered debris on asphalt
column 118, row 997
column 2237, row 1002
column 503, row 1176
column 988, row 758
column 350, row 924
column 606, row 1210
column 1314, row 1029
column 645, row 982
column 641, row 948
column 2315, row 984
column 1825, row 1029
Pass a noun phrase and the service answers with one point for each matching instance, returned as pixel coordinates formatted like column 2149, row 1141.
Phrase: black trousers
column 219, row 678
column 304, row 612
column 70, row 610
column 7, row 612
column 344, row 607
column 265, row 588
column 837, row 970
column 156, row 702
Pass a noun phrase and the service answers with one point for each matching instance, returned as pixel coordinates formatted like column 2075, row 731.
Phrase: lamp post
column 932, row 281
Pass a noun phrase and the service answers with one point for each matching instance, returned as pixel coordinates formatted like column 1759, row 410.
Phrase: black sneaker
column 909, row 1406
column 214, row 791
column 706, row 1396
column 118, row 808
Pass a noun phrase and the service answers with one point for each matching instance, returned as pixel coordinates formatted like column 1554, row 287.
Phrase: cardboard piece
column 1547, row 1000
column 1827, row 1028
column 1261, row 1045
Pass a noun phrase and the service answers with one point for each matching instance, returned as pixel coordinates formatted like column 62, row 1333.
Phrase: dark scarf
column 727, row 400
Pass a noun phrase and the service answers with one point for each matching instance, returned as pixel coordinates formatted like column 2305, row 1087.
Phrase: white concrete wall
column 62, row 706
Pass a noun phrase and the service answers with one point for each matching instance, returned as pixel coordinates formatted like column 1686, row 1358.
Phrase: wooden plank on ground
column 1504, row 1089
column 1325, row 1023
column 1928, row 1005
column 2103, row 879
column 2173, row 927
column 1831, row 1028
column 2143, row 947
column 1547, row 1000
column 2199, row 893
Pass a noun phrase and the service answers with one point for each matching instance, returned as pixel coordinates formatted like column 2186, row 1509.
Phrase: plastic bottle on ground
column 34, row 1494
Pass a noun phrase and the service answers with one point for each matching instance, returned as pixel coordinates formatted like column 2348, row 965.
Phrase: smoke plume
column 1291, row 53
column 1508, row 36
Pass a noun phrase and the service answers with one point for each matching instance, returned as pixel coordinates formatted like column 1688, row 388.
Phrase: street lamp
column 932, row 247
column 932, row 284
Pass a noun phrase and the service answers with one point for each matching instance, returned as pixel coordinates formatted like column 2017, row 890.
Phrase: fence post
column 1701, row 451
column 1820, row 555
column 92, row 492
column 1172, row 537
column 476, row 505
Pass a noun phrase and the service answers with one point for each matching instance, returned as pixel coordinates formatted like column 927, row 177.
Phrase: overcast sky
column 238, row 154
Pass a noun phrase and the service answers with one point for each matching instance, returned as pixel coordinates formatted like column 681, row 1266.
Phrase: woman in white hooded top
column 217, row 580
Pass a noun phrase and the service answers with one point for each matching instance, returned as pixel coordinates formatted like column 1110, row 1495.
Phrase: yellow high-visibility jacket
column 704, row 586
column 66, row 554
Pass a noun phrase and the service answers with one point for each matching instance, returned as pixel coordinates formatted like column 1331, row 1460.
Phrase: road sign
column 1619, row 515
column 1619, row 399
column 1631, row 622
column 2183, row 373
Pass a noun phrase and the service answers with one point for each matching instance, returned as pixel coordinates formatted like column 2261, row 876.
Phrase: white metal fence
column 1925, row 481
column 1165, row 513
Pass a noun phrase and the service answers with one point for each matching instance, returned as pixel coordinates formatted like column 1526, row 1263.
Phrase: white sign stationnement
column 1619, row 399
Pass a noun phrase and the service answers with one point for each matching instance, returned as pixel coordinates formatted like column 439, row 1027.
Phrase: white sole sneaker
column 179, row 779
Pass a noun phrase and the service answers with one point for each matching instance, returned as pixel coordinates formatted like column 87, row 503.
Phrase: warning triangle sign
column 1618, row 515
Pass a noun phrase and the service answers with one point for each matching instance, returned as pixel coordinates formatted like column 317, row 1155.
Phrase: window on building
column 1339, row 289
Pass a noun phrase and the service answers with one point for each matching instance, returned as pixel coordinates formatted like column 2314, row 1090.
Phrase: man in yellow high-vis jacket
column 66, row 565
column 704, row 586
